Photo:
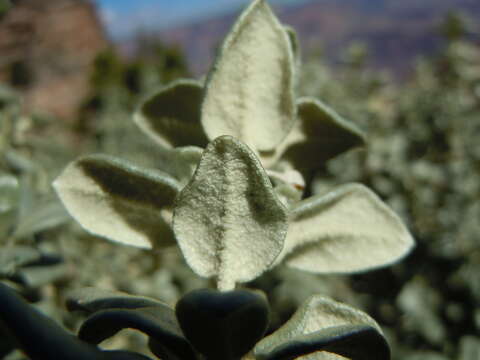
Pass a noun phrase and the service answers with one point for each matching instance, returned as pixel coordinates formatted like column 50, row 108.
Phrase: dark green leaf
column 40, row 338
column 158, row 322
column 223, row 325
column 90, row 300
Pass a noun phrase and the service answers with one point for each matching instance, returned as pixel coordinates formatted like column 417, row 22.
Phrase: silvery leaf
column 294, row 42
column 227, row 220
column 295, row 47
column 14, row 257
column 288, row 195
column 249, row 92
column 45, row 214
column 114, row 199
column 9, row 197
column 171, row 117
column 181, row 163
column 322, row 327
column 19, row 162
column 349, row 229
column 9, row 192
column 34, row 277
column 288, row 185
column 318, row 135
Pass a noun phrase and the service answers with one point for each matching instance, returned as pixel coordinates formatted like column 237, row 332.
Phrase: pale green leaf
column 114, row 199
column 288, row 195
column 19, row 162
column 355, row 342
column 293, row 39
column 37, row 276
column 42, row 215
column 318, row 135
column 171, row 117
column 9, row 198
column 317, row 314
column 181, row 163
column 249, row 92
column 9, row 192
column 349, row 229
column 13, row 257
column 227, row 220
column 288, row 185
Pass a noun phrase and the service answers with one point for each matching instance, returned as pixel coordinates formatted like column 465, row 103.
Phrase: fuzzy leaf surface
column 320, row 324
column 114, row 199
column 249, row 92
column 227, row 220
column 294, row 43
column 171, row 117
column 318, row 135
column 182, row 162
column 349, row 229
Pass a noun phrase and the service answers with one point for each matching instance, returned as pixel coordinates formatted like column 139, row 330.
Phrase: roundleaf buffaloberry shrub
column 242, row 144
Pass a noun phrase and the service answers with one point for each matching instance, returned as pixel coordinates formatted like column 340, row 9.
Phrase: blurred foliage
column 423, row 159
column 5, row 5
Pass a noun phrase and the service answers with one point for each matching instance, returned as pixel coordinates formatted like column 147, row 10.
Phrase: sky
column 123, row 17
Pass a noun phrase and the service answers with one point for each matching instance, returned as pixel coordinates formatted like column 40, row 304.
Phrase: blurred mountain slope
column 396, row 32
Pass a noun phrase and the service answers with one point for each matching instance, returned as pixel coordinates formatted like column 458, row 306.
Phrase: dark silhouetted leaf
column 40, row 338
column 158, row 322
column 223, row 325
column 90, row 300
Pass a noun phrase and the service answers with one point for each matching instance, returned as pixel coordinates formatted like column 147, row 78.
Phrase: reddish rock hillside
column 47, row 49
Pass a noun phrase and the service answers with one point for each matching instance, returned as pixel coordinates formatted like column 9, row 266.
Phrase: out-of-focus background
column 407, row 72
